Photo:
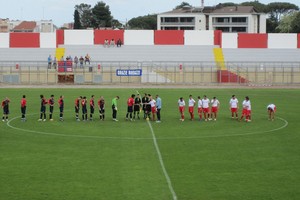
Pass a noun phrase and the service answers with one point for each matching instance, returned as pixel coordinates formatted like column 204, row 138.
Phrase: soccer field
column 144, row 160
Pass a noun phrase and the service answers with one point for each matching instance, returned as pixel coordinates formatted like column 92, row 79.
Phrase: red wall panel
column 60, row 37
column 24, row 40
column 101, row 35
column 298, row 41
column 252, row 40
column 218, row 38
column 169, row 37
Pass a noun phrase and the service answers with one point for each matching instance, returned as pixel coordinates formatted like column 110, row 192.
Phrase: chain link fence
column 150, row 72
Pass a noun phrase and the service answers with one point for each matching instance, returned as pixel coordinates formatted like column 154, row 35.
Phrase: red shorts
column 200, row 110
column 234, row 110
column 181, row 109
column 214, row 109
column 248, row 112
column 153, row 109
column 245, row 112
column 205, row 110
column 191, row 109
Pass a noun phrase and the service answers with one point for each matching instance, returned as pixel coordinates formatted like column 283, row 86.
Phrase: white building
column 238, row 19
column 227, row 19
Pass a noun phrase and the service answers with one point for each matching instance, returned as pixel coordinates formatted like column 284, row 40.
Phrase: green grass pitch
column 107, row 160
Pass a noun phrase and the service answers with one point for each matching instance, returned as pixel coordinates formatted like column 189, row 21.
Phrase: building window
column 187, row 19
column 171, row 19
column 223, row 29
column 239, row 19
column 239, row 29
column 187, row 28
column 222, row 19
column 171, row 28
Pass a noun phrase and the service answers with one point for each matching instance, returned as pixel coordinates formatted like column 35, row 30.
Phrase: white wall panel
column 79, row 37
column 193, row 37
column 229, row 40
column 4, row 40
column 47, row 40
column 139, row 37
column 282, row 41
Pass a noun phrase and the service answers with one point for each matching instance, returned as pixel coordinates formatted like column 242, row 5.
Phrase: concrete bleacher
column 262, row 55
column 26, row 54
column 142, row 53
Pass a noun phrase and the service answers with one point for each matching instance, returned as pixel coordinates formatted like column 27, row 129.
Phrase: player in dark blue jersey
column 43, row 108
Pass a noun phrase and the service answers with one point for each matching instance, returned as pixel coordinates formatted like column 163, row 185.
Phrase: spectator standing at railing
column 49, row 62
column 87, row 59
column 54, row 63
column 76, row 61
column 119, row 43
column 81, row 61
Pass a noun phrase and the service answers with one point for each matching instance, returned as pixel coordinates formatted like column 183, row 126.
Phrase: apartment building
column 228, row 19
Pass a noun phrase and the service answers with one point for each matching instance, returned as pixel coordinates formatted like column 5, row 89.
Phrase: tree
column 102, row 15
column 259, row 7
column 117, row 24
column 289, row 23
column 221, row 5
column 148, row 22
column 183, row 4
column 77, row 24
column 85, row 15
column 295, row 25
column 278, row 9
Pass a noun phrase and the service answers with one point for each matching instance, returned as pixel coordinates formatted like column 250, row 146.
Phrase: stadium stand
column 157, row 53
column 25, row 54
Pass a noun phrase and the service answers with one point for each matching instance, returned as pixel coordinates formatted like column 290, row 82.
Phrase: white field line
column 161, row 161
column 145, row 138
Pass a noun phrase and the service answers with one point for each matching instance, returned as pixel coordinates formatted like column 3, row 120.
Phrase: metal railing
column 98, row 72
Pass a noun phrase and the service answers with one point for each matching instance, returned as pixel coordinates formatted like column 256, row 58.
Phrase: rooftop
column 236, row 10
column 25, row 25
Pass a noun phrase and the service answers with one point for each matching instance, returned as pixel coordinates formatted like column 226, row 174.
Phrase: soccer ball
column 147, row 118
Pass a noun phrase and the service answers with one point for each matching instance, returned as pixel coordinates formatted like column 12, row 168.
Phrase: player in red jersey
column 271, row 111
column 205, row 107
column 84, row 109
column 92, row 107
column 77, row 106
column 191, row 106
column 130, row 104
column 51, row 106
column 61, row 107
column 101, row 107
column 181, row 105
column 43, row 108
column 23, row 108
column 153, row 107
column 5, row 106
column 215, row 104
column 246, row 112
column 234, row 106
column 200, row 110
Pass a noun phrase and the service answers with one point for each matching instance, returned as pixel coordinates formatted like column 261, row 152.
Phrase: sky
column 62, row 11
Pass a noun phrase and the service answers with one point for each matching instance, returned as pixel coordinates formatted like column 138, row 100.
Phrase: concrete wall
column 79, row 37
column 4, row 40
column 199, row 37
column 282, row 41
column 47, row 40
column 139, row 37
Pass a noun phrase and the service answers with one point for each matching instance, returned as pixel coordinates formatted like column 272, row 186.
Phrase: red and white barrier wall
column 150, row 37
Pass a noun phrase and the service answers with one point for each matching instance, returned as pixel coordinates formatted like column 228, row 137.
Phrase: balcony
column 230, row 23
column 177, row 23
